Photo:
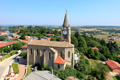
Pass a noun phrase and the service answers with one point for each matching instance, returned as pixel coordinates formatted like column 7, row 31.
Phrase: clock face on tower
column 64, row 32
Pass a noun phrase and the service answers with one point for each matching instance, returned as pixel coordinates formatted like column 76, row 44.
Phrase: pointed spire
column 65, row 24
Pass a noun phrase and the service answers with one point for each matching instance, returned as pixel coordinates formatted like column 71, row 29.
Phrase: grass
column 15, row 68
column 116, row 77
column 8, row 55
column 28, row 71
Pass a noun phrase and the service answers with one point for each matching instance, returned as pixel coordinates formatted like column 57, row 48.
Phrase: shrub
column 24, row 55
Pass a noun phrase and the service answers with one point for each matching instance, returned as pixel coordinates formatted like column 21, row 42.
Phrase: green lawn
column 28, row 71
column 8, row 55
column 116, row 78
column 15, row 68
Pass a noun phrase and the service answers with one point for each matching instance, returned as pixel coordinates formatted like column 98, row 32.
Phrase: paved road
column 4, row 66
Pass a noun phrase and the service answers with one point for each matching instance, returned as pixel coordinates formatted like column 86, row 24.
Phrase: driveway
column 4, row 66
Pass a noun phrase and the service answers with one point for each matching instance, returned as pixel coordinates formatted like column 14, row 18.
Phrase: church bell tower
column 66, row 30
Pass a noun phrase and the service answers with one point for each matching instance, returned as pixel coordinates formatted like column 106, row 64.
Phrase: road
column 4, row 66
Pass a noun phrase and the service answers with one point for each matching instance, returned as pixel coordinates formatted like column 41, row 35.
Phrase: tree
column 53, row 39
column 7, row 50
column 74, row 40
column 3, row 38
column 112, row 50
column 97, row 54
column 100, row 71
column 24, row 55
column 77, row 35
column 82, row 46
column 103, row 43
column 115, row 46
column 17, row 46
column 83, row 66
column 90, row 53
column 58, row 39
column 22, row 37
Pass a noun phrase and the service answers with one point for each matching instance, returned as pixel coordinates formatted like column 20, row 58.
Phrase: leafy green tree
column 53, row 39
column 103, row 43
column 3, row 38
column 83, row 66
column 115, row 46
column 103, row 58
column 17, row 46
column 97, row 54
column 82, row 46
column 112, row 50
column 74, row 40
column 77, row 35
column 90, row 53
column 58, row 39
column 7, row 50
column 22, row 37
column 100, row 71
column 24, row 55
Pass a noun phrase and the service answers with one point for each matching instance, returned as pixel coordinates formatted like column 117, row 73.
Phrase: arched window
column 49, row 56
column 37, row 52
column 31, row 51
column 69, row 54
column 61, row 54
column 58, row 66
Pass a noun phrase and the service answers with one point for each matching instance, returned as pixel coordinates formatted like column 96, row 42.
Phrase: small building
column 71, row 78
column 51, row 35
column 114, row 66
column 34, row 37
column 41, row 75
column 46, row 38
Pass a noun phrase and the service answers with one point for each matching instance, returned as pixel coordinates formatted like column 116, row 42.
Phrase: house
column 95, row 48
column 71, row 78
column 57, row 54
column 114, row 66
column 46, row 38
column 41, row 75
column 51, row 35
column 3, row 44
column 27, row 37
column 34, row 37
column 9, row 38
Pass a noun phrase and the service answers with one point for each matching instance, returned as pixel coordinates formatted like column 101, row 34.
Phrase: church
column 57, row 54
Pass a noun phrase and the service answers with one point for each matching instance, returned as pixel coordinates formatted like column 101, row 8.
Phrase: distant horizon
column 60, row 25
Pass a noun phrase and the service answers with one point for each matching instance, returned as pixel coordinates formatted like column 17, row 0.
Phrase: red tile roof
column 95, row 48
column 3, row 44
column 50, row 34
column 47, row 38
column 25, row 46
column 12, row 42
column 59, row 60
column 26, row 41
column 112, row 64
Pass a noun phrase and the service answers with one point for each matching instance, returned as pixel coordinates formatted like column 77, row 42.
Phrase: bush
column 69, row 71
column 24, row 55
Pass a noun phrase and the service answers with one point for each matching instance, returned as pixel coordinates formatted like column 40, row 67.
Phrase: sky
column 52, row 12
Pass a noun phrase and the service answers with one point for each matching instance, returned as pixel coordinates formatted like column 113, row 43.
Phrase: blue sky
column 52, row 12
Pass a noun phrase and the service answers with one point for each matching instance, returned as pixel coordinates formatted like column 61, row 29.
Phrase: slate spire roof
column 65, row 23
